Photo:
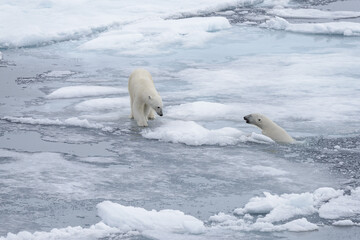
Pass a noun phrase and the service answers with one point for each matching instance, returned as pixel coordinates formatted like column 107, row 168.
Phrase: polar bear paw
column 151, row 115
column 142, row 123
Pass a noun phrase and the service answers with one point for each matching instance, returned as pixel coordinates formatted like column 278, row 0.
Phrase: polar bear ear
column 149, row 97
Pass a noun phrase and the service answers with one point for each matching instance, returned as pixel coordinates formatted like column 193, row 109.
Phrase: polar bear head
column 257, row 119
column 269, row 128
column 155, row 103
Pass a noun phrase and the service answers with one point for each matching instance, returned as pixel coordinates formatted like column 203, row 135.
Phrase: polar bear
column 144, row 99
column 269, row 128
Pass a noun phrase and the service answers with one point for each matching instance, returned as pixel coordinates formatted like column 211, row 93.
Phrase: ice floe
column 202, row 110
column 37, row 23
column 84, row 91
column 336, row 28
column 149, row 37
column 99, row 104
column 69, row 122
column 312, row 13
column 192, row 133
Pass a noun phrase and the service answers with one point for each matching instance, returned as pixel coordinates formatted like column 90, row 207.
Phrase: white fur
column 269, row 128
column 144, row 99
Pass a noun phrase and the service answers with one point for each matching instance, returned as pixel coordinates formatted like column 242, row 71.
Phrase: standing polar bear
column 144, row 99
column 269, row 128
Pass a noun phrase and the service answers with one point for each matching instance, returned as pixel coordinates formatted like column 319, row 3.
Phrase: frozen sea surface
column 74, row 166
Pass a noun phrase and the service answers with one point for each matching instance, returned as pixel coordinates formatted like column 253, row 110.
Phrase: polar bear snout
column 247, row 118
column 159, row 112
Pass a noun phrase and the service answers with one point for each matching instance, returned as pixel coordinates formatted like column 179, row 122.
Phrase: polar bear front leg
column 147, row 109
column 138, row 111
column 131, row 106
column 151, row 115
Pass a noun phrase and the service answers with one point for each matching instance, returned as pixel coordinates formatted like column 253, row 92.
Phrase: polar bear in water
column 144, row 99
column 269, row 128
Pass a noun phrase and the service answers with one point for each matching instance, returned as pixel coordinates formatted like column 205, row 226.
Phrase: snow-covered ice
column 84, row 91
column 103, row 104
column 131, row 218
column 155, row 34
column 191, row 133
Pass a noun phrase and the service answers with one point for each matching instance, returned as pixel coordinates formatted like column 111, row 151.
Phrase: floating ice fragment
column 331, row 28
column 312, row 13
column 345, row 223
column 322, row 195
column 222, row 217
column 279, row 208
column 260, row 138
column 327, row 202
column 129, row 218
column 299, row 225
column 344, row 206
